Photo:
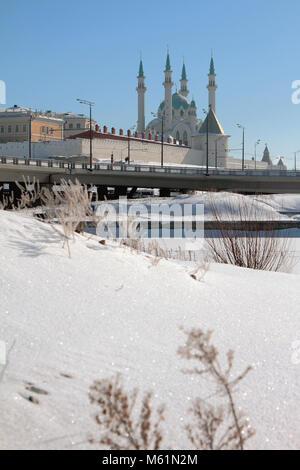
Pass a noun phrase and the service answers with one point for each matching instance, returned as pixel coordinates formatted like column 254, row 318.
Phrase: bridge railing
column 138, row 168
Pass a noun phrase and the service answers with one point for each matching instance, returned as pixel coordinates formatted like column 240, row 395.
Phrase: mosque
column 177, row 118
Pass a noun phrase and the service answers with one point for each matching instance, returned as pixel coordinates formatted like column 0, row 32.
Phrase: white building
column 74, row 123
column 178, row 113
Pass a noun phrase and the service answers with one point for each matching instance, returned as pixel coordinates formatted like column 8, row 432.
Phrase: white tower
column 141, row 90
column 212, row 86
column 168, row 84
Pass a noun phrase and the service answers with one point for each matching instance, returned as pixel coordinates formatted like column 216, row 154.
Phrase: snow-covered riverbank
column 109, row 310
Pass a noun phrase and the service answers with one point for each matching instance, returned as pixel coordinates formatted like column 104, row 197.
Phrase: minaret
column 141, row 90
column 168, row 84
column 183, row 82
column 212, row 86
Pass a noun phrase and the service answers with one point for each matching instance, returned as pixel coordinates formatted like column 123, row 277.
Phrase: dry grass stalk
column 69, row 209
column 30, row 194
column 250, row 246
column 222, row 427
column 154, row 249
column 125, row 425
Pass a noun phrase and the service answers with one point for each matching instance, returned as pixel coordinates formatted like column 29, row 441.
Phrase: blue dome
column 178, row 101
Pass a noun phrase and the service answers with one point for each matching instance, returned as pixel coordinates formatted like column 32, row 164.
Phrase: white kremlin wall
column 140, row 150
column 143, row 151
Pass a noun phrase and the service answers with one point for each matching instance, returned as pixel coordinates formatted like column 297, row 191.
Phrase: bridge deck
column 150, row 176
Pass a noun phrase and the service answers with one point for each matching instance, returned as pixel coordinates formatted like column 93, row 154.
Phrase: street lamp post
column 243, row 153
column 162, row 137
column 255, row 145
column 29, row 136
column 90, row 104
column 128, row 134
column 295, row 156
column 207, row 154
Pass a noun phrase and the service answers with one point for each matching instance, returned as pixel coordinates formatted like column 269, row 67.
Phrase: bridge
column 123, row 176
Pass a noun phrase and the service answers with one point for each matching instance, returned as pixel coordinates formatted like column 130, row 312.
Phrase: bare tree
column 243, row 238
column 125, row 424
column 222, row 426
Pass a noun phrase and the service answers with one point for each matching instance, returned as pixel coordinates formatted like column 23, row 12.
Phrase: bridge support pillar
column 164, row 192
column 120, row 191
column 102, row 192
column 10, row 193
column 132, row 192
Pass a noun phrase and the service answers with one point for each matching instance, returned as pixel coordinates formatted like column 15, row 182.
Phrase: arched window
column 185, row 137
column 181, row 113
column 177, row 135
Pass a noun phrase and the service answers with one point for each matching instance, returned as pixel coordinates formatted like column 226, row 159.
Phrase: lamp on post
column 243, row 153
column 162, row 137
column 255, row 145
column 90, row 104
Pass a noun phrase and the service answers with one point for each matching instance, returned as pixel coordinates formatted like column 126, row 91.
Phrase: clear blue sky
column 53, row 52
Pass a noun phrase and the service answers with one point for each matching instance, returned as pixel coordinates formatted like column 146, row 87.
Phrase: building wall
column 13, row 130
column 73, row 126
column 42, row 150
column 141, row 151
column 16, row 129
column 236, row 163
column 42, row 130
column 217, row 149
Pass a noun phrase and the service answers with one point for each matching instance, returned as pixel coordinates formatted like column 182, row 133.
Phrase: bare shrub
column 30, row 193
column 242, row 238
column 215, row 427
column 68, row 208
column 125, row 424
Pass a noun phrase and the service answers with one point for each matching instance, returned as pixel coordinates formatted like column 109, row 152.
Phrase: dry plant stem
column 70, row 207
column 125, row 425
column 199, row 348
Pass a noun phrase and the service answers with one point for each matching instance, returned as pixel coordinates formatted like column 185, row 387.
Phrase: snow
column 108, row 310
column 228, row 204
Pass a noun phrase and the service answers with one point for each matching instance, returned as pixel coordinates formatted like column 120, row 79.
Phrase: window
column 51, row 131
column 9, row 129
column 70, row 126
column 24, row 128
column 78, row 125
column 177, row 136
column 185, row 137
column 17, row 128
column 181, row 113
column 47, row 130
column 1, row 129
column 43, row 128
